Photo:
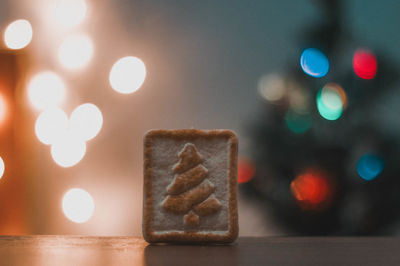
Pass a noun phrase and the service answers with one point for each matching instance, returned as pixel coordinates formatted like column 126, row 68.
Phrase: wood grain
column 83, row 250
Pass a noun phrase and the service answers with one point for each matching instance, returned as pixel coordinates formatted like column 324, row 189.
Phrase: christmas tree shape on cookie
column 190, row 192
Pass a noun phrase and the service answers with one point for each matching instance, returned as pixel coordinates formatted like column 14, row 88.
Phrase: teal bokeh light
column 329, row 103
column 314, row 63
column 369, row 166
column 297, row 123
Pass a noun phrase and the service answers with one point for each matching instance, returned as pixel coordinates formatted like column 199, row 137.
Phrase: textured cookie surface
column 190, row 189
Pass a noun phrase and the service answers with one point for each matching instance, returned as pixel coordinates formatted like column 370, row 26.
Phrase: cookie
column 190, row 187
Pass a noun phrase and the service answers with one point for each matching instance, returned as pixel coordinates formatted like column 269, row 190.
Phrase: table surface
column 84, row 250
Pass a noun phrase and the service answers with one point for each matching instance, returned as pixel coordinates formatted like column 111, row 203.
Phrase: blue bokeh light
column 314, row 63
column 369, row 166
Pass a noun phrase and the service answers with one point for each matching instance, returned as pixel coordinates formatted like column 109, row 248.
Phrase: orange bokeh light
column 246, row 170
column 312, row 189
column 3, row 108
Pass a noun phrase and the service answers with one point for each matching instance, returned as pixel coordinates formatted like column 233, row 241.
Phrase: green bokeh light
column 298, row 123
column 329, row 103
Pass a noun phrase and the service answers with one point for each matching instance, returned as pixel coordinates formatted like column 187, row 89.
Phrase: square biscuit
column 190, row 186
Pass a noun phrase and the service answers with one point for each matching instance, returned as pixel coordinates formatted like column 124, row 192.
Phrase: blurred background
column 310, row 87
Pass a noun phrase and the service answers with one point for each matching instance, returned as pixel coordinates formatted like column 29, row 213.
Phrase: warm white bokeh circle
column 272, row 87
column 69, row 13
column 86, row 121
column 75, row 51
column 2, row 167
column 78, row 205
column 127, row 74
column 45, row 90
column 68, row 150
column 18, row 34
column 51, row 125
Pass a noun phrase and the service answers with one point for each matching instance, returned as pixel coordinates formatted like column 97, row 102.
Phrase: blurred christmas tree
column 321, row 161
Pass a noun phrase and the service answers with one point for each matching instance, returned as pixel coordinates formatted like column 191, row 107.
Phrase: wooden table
column 83, row 250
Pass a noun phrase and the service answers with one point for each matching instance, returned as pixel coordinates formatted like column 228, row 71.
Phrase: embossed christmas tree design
column 191, row 193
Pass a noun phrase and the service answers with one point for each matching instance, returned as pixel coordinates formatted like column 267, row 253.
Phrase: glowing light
column 127, row 74
column 51, row 125
column 86, row 121
column 246, row 170
column 272, row 87
column 75, row 51
column 369, row 166
column 365, row 64
column 298, row 98
column 3, row 108
column 68, row 150
column 2, row 167
column 70, row 13
column 78, row 205
column 298, row 123
column 46, row 90
column 330, row 101
column 314, row 63
column 312, row 190
column 18, row 34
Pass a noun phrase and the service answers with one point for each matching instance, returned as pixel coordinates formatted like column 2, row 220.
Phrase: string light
column 46, row 90
column 18, row 34
column 314, row 63
column 68, row 150
column 78, row 205
column 127, row 74
column 312, row 190
column 246, row 170
column 51, row 125
column 69, row 13
column 271, row 87
column 365, row 64
column 75, row 51
column 86, row 121
column 369, row 166
column 2, row 167
column 330, row 101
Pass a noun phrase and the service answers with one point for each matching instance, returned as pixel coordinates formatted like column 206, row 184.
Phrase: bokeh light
column 18, row 34
column 365, row 64
column 299, row 98
column 312, row 189
column 86, row 121
column 336, row 89
column 369, row 166
column 78, row 205
column 68, row 150
column 127, row 74
column 3, row 108
column 75, row 51
column 69, row 13
column 46, row 90
column 246, row 170
column 314, row 62
column 272, row 87
column 2, row 167
column 51, row 125
column 331, row 100
column 297, row 122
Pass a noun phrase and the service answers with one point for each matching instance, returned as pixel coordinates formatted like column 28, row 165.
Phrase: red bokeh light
column 312, row 189
column 246, row 170
column 365, row 64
